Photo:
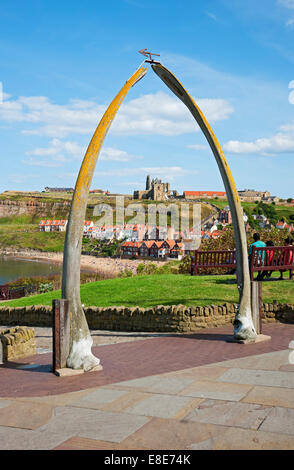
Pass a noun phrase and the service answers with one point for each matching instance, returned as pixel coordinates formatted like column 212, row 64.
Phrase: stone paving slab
column 258, row 377
column 216, row 390
column 25, row 415
column 269, row 361
column 99, row 398
column 171, row 434
column 158, row 384
column 161, row 406
column 227, row 413
column 271, row 396
column 244, row 439
column 209, row 372
column 82, row 443
column 287, row 368
column 23, row 439
column 279, row 420
column 4, row 403
column 94, row 424
column 125, row 401
column 55, row 400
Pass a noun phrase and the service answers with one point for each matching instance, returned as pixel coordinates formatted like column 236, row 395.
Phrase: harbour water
column 13, row 268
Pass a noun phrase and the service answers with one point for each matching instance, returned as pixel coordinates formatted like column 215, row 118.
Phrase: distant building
column 97, row 191
column 52, row 225
column 251, row 195
column 59, row 190
column 155, row 190
column 153, row 249
column 204, row 194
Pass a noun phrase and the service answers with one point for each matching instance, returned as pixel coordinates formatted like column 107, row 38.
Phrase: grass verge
column 164, row 289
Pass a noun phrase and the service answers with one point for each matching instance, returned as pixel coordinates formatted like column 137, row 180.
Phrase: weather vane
column 148, row 54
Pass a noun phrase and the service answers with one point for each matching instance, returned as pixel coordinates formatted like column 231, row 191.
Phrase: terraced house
column 153, row 248
column 52, row 225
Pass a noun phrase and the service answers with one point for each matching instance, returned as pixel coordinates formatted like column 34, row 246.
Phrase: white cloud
column 45, row 164
column 286, row 3
column 213, row 17
column 287, row 127
column 160, row 113
column 157, row 113
column 113, row 154
column 21, row 178
column 279, row 143
column 169, row 173
column 58, row 148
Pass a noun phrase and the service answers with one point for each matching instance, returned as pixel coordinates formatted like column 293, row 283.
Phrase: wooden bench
column 272, row 258
column 8, row 293
column 213, row 259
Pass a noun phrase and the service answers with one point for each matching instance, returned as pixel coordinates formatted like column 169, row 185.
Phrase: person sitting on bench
column 259, row 244
column 269, row 258
column 289, row 258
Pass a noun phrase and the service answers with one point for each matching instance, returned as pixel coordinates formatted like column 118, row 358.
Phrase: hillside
column 57, row 205
column 21, row 212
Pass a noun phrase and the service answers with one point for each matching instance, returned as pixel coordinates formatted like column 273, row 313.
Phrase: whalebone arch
column 80, row 348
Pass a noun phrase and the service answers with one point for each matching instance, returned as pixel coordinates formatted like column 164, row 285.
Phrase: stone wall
column 162, row 318
column 17, row 342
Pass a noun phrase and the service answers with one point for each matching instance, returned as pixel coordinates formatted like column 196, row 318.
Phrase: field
column 165, row 289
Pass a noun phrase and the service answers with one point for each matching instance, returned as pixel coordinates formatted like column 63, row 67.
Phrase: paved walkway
column 185, row 392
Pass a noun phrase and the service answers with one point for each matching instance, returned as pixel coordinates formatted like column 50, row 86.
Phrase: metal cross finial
column 148, row 54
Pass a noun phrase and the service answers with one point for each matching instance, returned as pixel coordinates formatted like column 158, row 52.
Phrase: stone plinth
column 258, row 339
column 18, row 342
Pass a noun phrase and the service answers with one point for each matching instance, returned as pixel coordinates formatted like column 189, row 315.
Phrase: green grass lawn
column 164, row 289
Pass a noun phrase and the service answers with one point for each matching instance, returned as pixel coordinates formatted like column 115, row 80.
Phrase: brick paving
column 133, row 360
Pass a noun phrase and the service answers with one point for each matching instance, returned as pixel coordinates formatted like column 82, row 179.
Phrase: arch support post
column 80, row 355
column 243, row 324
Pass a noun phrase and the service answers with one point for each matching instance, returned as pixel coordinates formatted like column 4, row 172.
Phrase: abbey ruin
column 156, row 190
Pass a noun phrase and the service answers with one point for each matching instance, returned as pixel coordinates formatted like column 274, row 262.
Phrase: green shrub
column 185, row 265
column 45, row 287
column 126, row 273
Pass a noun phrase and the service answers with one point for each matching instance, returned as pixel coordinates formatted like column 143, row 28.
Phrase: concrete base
column 258, row 339
column 68, row 372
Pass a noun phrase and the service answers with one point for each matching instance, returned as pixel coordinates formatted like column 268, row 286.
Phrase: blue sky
column 62, row 62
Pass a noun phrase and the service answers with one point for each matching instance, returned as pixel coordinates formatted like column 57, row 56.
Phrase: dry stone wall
column 161, row 318
column 17, row 342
